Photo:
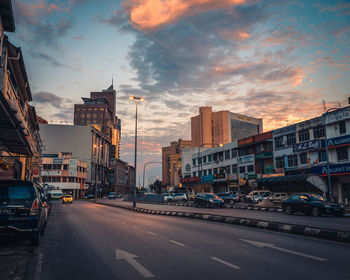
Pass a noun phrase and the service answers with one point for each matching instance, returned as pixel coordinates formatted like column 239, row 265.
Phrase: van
column 250, row 196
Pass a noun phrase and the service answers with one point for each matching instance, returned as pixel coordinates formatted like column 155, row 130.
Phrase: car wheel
column 184, row 200
column 316, row 212
column 289, row 210
column 36, row 238
column 231, row 202
column 169, row 200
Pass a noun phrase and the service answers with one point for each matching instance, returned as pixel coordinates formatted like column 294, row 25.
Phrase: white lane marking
column 151, row 232
column 130, row 258
column 177, row 243
column 38, row 266
column 225, row 263
column 272, row 246
column 135, row 227
column 123, row 223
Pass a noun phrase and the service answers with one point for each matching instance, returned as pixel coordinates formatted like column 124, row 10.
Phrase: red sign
column 189, row 180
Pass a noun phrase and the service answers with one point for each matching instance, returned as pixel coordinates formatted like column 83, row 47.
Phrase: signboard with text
column 245, row 159
column 335, row 169
column 337, row 141
column 306, row 146
column 73, row 164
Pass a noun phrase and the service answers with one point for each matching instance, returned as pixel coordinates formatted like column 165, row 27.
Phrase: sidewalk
column 333, row 228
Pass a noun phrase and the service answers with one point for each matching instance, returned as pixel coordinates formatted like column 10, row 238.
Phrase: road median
column 305, row 230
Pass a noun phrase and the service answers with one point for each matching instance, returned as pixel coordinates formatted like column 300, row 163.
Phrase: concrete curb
column 330, row 234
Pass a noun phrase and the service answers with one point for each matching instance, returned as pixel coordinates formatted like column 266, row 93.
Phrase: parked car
column 21, row 209
column 118, row 195
column 229, row 198
column 170, row 197
column 278, row 197
column 311, row 203
column 89, row 196
column 208, row 200
column 261, row 197
column 249, row 197
column 111, row 195
column 67, row 198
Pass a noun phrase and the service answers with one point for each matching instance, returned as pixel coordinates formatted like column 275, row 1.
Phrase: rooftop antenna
column 324, row 105
column 112, row 81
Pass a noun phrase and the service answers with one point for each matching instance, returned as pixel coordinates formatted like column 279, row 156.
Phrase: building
column 123, row 180
column 20, row 143
column 61, row 171
column 99, row 111
column 212, row 128
column 85, row 143
column 171, row 162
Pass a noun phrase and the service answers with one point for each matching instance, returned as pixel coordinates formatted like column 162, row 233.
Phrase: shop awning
column 294, row 183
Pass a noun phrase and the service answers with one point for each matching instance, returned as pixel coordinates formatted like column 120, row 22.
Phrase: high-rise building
column 210, row 128
column 171, row 162
column 98, row 110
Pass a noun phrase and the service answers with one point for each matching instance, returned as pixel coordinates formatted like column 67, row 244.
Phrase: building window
column 71, row 179
column 342, row 127
column 56, row 166
column 318, row 132
column 242, row 169
column 82, row 116
column 279, row 162
column 65, row 166
column 291, row 139
column 205, row 159
column 227, row 154
column 45, row 167
column 304, row 135
column 64, row 179
column 194, row 174
column 322, row 156
column 209, row 158
column 204, row 172
column 234, row 168
column 279, row 142
column 194, row 161
column 199, row 160
column 210, row 172
column 200, row 173
column 233, row 153
column 250, row 168
column 215, row 157
column 215, row 171
column 342, row 153
column 292, row 160
column 303, row 158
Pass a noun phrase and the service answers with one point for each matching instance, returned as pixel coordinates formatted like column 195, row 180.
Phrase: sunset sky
column 271, row 59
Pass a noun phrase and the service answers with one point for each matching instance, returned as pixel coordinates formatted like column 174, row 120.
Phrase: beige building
column 212, row 128
column 171, row 162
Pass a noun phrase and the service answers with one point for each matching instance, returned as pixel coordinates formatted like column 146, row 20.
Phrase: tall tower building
column 212, row 128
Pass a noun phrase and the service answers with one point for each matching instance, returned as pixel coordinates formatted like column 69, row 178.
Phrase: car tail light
column 35, row 207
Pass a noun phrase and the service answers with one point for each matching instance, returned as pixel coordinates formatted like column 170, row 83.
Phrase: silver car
column 170, row 197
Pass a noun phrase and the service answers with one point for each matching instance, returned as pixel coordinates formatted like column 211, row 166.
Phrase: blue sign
column 306, row 146
column 343, row 168
column 207, row 178
column 337, row 141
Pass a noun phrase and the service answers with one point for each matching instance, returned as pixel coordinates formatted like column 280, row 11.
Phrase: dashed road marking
column 225, row 263
column 177, row 243
column 38, row 266
column 151, row 232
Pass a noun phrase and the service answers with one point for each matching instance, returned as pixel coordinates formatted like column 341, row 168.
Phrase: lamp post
column 136, row 101
column 327, row 153
column 144, row 167
column 96, row 146
column 201, row 166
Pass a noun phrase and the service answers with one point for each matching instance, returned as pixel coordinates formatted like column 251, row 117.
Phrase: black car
column 310, row 203
column 89, row 196
column 22, row 209
column 208, row 200
column 229, row 198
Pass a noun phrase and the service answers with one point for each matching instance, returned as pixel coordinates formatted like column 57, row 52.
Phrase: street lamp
column 97, row 154
column 201, row 166
column 144, row 167
column 327, row 153
column 136, row 101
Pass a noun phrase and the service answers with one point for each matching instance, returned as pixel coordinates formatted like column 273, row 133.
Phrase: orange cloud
column 235, row 34
column 152, row 14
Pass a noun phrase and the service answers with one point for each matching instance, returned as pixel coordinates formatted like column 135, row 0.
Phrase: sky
column 276, row 60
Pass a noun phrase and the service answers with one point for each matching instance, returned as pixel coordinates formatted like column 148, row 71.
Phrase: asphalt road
column 90, row 241
column 330, row 222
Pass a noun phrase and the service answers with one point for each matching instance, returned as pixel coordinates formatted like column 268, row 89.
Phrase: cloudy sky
column 277, row 60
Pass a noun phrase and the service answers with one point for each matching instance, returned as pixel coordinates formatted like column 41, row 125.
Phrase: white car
column 170, row 197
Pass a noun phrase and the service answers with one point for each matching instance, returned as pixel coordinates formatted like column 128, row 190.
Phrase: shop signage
column 51, row 173
column 338, row 115
column 337, row 141
column 272, row 175
column 207, row 178
column 245, row 159
column 232, row 177
column 263, row 155
column 220, row 177
column 306, row 146
column 335, row 169
column 189, row 180
column 252, row 176
column 57, row 161
column 73, row 164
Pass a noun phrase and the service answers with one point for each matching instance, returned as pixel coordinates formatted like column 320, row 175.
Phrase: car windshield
column 67, row 196
column 317, row 197
column 223, row 194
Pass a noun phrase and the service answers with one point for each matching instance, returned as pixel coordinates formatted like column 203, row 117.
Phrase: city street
column 89, row 241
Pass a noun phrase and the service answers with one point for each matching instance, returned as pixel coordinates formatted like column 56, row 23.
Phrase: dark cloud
column 52, row 60
column 51, row 98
